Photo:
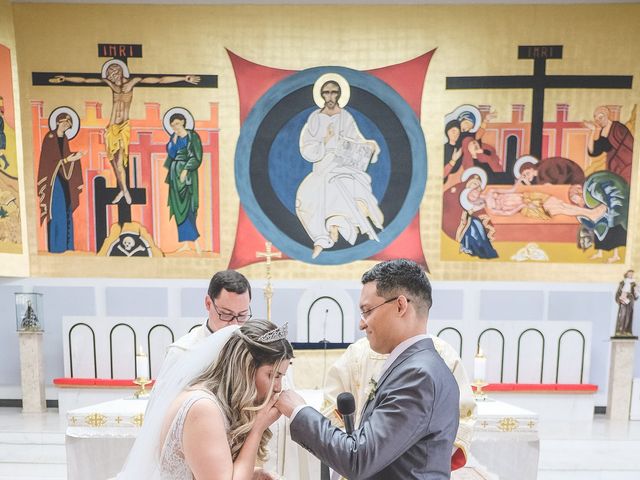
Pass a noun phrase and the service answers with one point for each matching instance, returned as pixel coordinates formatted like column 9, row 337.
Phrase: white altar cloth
column 99, row 437
column 506, row 440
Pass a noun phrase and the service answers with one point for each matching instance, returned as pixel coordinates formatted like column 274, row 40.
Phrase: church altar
column 506, row 440
column 99, row 437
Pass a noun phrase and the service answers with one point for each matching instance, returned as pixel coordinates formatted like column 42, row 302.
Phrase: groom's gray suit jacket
column 407, row 428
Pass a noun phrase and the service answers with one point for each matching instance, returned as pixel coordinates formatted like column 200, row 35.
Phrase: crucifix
column 268, row 289
column 538, row 82
column 115, row 75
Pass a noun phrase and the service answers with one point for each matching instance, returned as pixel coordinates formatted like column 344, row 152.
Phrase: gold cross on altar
column 268, row 289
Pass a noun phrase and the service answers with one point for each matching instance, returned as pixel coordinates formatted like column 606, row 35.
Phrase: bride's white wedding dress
column 173, row 465
column 150, row 454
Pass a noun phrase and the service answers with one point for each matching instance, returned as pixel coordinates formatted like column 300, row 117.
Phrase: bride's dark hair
column 232, row 378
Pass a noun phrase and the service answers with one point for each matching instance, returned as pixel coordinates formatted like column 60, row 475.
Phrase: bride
column 209, row 419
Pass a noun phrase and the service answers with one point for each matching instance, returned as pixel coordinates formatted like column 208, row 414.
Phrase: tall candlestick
column 142, row 363
column 480, row 367
column 268, row 289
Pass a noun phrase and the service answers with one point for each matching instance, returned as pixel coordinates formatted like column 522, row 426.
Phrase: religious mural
column 214, row 146
column 10, row 236
column 519, row 186
column 123, row 186
column 331, row 163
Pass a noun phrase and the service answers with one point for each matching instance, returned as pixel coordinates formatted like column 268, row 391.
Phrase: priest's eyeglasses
column 230, row 317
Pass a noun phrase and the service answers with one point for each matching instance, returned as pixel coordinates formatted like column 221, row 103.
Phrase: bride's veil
column 143, row 459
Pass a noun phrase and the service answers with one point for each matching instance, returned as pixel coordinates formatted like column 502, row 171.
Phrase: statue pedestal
column 32, row 372
column 620, row 377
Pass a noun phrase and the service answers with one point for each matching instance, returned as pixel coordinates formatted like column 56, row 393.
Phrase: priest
column 227, row 303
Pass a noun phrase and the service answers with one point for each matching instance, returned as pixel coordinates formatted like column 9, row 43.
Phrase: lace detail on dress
column 173, row 465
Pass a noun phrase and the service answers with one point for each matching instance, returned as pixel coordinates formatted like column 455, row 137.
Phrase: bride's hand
column 260, row 474
column 267, row 414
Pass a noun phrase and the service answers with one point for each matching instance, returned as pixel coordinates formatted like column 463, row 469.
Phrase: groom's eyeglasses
column 230, row 317
column 365, row 314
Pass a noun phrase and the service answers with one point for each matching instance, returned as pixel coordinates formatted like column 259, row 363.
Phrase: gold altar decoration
column 268, row 289
column 95, row 420
column 142, row 392
column 138, row 419
column 508, row 424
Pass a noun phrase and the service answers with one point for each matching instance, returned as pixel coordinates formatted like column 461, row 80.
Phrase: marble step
column 26, row 471
column 34, row 454
column 32, row 448
column 32, row 438
column 590, row 455
column 587, row 475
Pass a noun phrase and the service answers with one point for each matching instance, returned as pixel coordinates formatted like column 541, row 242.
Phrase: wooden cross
column 539, row 82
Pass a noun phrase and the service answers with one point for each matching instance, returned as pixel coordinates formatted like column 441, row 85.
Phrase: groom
column 409, row 423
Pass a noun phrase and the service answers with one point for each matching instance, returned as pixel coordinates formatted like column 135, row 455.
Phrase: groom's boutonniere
column 374, row 388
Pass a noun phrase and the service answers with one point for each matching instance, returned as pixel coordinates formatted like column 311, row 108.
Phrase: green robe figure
column 184, row 156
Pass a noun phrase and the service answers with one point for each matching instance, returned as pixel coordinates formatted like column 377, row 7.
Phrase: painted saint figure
column 184, row 156
column 626, row 296
column 615, row 139
column 484, row 156
column 473, row 123
column 336, row 197
column 528, row 170
column 3, row 137
column 452, row 148
column 475, row 231
column 117, row 135
column 59, row 180
column 608, row 190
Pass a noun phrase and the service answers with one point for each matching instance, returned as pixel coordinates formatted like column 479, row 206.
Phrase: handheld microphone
column 347, row 408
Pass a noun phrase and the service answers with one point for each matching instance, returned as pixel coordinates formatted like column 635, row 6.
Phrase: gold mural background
column 469, row 40
column 14, row 257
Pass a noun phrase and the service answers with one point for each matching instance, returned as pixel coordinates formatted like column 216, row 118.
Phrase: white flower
column 374, row 388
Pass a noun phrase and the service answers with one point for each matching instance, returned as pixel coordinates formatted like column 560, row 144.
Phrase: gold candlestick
column 142, row 392
column 268, row 289
column 479, row 394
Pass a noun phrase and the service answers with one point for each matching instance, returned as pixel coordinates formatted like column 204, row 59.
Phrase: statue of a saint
column 627, row 294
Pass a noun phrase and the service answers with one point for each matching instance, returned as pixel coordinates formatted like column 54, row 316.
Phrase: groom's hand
column 288, row 401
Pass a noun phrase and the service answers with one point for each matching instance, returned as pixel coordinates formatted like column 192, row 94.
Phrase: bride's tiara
column 275, row 334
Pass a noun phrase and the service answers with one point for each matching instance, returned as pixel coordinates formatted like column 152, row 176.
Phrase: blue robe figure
column 475, row 241
column 59, row 186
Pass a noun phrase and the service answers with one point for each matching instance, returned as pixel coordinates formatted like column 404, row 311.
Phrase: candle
column 142, row 364
column 480, row 367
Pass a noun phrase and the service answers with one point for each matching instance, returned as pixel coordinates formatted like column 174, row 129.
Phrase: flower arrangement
column 374, row 388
